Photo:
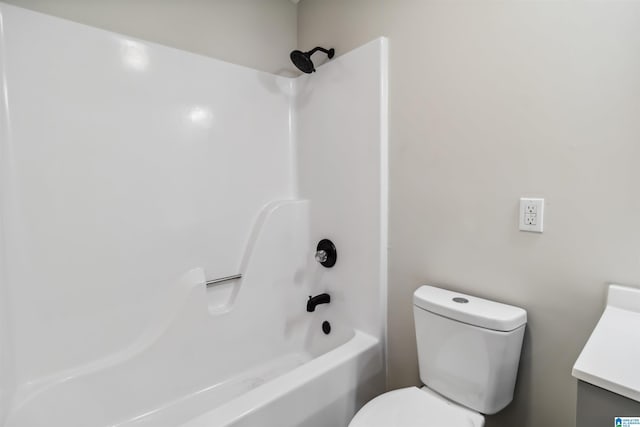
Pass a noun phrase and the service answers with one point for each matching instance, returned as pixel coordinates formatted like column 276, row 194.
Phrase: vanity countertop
column 611, row 357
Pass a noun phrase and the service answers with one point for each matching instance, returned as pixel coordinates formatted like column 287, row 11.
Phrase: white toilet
column 468, row 354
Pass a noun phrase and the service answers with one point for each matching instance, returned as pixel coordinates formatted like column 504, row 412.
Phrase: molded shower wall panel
column 125, row 166
column 7, row 369
column 342, row 169
column 189, row 361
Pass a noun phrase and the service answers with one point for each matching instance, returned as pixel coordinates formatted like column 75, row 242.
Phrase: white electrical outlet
column 531, row 214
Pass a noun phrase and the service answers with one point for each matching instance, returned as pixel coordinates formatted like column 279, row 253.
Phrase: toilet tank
column 468, row 347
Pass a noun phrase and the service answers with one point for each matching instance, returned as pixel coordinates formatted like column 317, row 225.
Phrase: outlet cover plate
column 531, row 217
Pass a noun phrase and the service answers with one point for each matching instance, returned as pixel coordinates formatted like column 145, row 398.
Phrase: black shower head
column 303, row 61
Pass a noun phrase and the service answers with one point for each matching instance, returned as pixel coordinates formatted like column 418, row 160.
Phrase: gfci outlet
column 531, row 214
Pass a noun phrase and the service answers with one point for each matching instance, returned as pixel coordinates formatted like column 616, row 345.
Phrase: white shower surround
column 131, row 174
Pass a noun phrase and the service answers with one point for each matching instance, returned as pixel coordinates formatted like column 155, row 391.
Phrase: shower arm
column 321, row 49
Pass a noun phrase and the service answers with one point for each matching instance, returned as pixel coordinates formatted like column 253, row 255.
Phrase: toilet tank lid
column 468, row 309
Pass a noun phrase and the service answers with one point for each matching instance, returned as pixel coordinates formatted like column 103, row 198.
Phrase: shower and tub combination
column 187, row 242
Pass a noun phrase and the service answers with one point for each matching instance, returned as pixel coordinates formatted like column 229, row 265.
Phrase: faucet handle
column 321, row 256
column 326, row 253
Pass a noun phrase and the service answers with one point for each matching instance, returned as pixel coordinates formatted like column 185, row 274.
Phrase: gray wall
column 491, row 101
column 255, row 33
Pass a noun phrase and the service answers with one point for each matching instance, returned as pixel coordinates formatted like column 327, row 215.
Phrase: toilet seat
column 414, row 407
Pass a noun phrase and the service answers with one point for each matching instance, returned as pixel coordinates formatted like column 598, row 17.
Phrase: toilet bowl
column 415, row 407
column 468, row 356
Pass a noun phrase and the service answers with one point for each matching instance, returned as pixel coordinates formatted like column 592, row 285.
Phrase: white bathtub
column 243, row 354
column 294, row 390
column 325, row 391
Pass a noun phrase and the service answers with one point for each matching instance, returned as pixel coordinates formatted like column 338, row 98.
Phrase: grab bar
column 222, row 280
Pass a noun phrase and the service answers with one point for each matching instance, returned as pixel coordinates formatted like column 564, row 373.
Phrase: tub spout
column 317, row 300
